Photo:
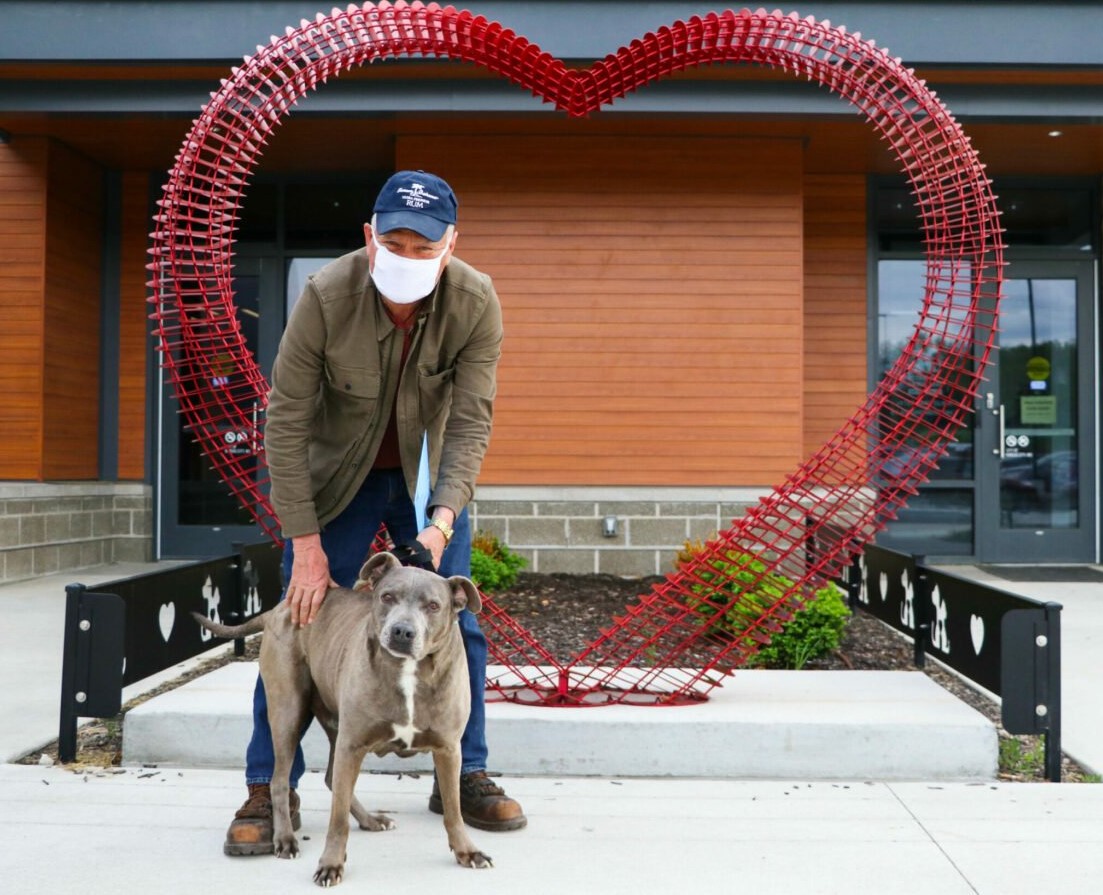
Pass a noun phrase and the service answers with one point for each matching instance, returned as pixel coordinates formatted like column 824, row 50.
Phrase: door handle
column 999, row 451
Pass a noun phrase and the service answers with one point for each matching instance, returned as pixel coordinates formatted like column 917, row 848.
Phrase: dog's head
column 414, row 609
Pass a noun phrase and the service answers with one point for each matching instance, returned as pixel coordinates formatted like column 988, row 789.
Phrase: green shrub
column 494, row 566
column 813, row 631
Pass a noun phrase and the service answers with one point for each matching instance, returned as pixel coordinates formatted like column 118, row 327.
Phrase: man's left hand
column 432, row 538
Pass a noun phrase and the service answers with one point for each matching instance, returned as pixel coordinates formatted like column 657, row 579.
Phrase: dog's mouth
column 401, row 651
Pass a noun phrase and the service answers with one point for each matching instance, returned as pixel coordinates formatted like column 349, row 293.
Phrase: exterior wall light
column 609, row 527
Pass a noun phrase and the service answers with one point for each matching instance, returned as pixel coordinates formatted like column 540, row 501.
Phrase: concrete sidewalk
column 161, row 829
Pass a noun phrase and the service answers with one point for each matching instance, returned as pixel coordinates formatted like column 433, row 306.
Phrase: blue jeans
column 347, row 541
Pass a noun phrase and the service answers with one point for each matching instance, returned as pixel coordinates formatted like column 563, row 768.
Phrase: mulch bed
column 566, row 612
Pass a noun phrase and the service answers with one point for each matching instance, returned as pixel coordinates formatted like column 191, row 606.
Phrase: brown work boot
column 483, row 804
column 250, row 831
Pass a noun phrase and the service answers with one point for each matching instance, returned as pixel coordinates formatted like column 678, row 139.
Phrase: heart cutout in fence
column 166, row 619
column 976, row 633
column 666, row 649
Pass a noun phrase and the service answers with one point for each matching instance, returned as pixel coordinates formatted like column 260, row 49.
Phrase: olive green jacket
column 334, row 382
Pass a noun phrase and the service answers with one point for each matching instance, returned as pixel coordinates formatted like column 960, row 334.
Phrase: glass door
column 197, row 516
column 938, row 521
column 1036, row 445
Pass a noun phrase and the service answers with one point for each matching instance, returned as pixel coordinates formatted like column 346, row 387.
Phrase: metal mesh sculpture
column 665, row 649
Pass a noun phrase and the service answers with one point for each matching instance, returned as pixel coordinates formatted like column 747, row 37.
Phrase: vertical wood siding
column 834, row 303
column 652, row 294
column 22, row 281
column 133, row 326
column 652, row 301
column 71, row 386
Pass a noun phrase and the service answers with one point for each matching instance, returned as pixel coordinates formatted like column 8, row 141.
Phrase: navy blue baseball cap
column 418, row 201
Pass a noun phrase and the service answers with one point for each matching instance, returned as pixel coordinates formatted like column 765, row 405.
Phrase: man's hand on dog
column 310, row 579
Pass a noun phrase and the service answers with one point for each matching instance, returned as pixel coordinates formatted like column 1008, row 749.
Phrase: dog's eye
column 432, row 606
column 387, row 598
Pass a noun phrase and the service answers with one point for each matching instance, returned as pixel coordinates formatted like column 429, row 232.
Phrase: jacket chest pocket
column 352, row 389
column 434, row 392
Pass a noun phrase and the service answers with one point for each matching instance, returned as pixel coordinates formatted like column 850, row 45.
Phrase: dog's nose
column 402, row 634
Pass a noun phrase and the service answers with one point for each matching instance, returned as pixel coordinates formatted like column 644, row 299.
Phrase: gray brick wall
column 46, row 528
column 560, row 530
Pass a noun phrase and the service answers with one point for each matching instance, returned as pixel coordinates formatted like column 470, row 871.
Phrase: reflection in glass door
column 1018, row 483
column 940, row 519
column 197, row 514
column 1037, row 415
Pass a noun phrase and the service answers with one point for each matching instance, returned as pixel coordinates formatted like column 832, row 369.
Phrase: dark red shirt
column 389, row 456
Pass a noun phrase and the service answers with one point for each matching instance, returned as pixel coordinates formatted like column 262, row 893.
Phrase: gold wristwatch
column 445, row 529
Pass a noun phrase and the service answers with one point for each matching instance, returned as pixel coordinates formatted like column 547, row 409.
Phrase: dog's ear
column 378, row 565
column 464, row 594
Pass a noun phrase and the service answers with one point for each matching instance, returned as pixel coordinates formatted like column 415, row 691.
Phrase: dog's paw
column 376, row 823
column 286, row 847
column 329, row 874
column 476, row 860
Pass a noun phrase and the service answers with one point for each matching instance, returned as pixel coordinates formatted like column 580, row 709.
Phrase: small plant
column 813, row 631
column 1022, row 759
column 494, row 566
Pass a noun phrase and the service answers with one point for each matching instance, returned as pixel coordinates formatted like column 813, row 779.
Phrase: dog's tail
column 231, row 632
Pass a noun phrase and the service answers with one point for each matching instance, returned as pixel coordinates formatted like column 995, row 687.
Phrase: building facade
column 700, row 283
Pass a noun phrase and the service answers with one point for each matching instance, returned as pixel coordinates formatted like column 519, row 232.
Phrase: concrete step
column 809, row 725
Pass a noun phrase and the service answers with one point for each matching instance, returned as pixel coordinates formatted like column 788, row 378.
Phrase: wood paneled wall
column 134, row 327
column 74, row 247
column 51, row 218
column 835, row 300
column 652, row 301
column 22, row 283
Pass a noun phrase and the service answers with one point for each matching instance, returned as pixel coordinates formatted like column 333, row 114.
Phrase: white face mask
column 404, row 280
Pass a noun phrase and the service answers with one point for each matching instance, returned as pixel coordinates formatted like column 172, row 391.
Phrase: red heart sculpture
column 663, row 650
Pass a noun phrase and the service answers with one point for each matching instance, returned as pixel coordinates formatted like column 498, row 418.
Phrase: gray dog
column 383, row 670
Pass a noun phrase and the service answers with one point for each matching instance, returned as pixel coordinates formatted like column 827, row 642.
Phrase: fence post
column 922, row 608
column 854, row 582
column 67, row 725
column 1052, row 691
column 237, row 598
column 92, row 662
column 1030, row 678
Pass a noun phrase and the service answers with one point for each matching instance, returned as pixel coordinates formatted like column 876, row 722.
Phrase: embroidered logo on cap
column 417, row 196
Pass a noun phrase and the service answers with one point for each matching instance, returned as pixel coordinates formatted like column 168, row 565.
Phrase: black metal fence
column 1008, row 644
column 128, row 630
